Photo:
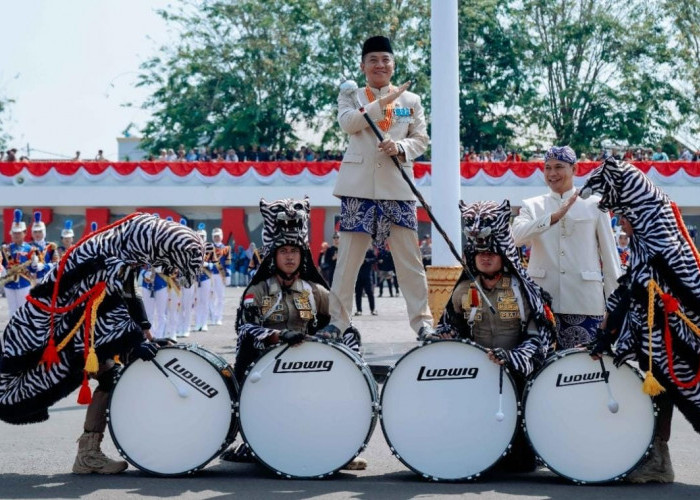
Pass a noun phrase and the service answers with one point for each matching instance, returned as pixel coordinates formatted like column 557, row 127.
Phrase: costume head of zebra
column 623, row 189
column 285, row 222
column 109, row 258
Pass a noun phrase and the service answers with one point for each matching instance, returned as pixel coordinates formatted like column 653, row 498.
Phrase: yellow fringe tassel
column 652, row 386
column 91, row 363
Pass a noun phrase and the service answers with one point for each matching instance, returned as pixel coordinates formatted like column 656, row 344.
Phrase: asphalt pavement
column 35, row 460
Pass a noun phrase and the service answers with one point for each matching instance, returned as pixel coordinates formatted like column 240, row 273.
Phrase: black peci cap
column 376, row 44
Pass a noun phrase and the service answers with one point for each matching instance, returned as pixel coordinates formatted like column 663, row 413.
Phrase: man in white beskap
column 573, row 254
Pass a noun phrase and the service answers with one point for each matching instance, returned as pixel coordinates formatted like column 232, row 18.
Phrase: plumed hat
column 202, row 230
column 18, row 224
column 38, row 223
column 67, row 231
column 376, row 44
column 217, row 232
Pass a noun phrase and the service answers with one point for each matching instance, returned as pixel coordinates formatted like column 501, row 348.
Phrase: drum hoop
column 506, row 376
column 371, row 383
column 230, row 384
column 551, row 360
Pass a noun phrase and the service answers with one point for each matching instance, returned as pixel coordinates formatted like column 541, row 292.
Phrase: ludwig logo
column 190, row 378
column 427, row 374
column 581, row 378
column 302, row 366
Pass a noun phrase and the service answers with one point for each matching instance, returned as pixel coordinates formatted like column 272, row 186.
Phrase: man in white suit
column 376, row 202
column 573, row 254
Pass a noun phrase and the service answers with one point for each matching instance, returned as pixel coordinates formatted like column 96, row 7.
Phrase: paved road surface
column 35, row 460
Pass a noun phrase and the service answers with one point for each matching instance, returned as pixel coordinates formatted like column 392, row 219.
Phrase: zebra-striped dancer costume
column 27, row 387
column 659, row 252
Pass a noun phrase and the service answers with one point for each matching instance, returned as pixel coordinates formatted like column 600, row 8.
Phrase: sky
column 70, row 66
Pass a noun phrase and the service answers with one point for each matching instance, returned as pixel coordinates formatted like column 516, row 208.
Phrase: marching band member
column 221, row 258
column 154, row 294
column 45, row 252
column 203, row 290
column 287, row 298
column 67, row 235
column 184, row 322
column 17, row 265
column 520, row 333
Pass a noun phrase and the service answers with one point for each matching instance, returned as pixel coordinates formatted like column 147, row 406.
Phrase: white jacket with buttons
column 366, row 172
column 576, row 259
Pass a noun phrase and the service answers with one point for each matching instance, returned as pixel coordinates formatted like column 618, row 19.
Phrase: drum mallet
column 181, row 391
column 499, row 414
column 349, row 87
column 612, row 404
column 257, row 375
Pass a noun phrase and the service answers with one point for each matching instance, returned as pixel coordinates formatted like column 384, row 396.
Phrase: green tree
column 603, row 70
column 493, row 85
column 246, row 72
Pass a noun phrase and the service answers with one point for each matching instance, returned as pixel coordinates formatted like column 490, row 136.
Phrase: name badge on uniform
column 404, row 115
column 303, row 305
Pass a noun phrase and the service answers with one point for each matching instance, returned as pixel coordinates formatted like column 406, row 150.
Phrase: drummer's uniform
column 172, row 313
column 511, row 328
column 268, row 307
column 221, row 272
column 16, row 263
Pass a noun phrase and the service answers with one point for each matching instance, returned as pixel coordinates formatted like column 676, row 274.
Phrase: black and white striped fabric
column 27, row 388
column 660, row 252
column 487, row 228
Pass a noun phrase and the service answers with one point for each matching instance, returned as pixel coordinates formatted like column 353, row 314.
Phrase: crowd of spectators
column 501, row 154
column 308, row 154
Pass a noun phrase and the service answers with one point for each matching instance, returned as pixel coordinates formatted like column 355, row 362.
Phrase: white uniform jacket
column 576, row 259
column 366, row 172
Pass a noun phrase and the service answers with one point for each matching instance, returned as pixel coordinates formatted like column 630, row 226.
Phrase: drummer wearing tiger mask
column 287, row 299
column 519, row 334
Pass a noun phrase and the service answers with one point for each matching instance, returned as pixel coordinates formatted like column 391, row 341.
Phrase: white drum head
column 439, row 408
column 570, row 426
column 157, row 430
column 310, row 412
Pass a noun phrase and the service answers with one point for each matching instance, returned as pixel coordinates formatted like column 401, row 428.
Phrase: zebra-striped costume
column 28, row 388
column 486, row 226
column 659, row 252
column 285, row 222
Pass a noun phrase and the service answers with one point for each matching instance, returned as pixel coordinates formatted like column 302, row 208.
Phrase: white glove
column 148, row 275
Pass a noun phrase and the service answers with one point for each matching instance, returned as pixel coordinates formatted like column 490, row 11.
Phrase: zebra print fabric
column 112, row 256
column 661, row 253
column 487, row 227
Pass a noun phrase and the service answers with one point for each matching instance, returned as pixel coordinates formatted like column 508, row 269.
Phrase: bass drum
column 174, row 425
column 440, row 410
column 308, row 410
column 571, row 423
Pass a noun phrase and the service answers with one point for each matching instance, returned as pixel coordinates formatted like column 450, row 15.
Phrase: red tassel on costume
column 670, row 304
column 85, row 395
column 50, row 356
